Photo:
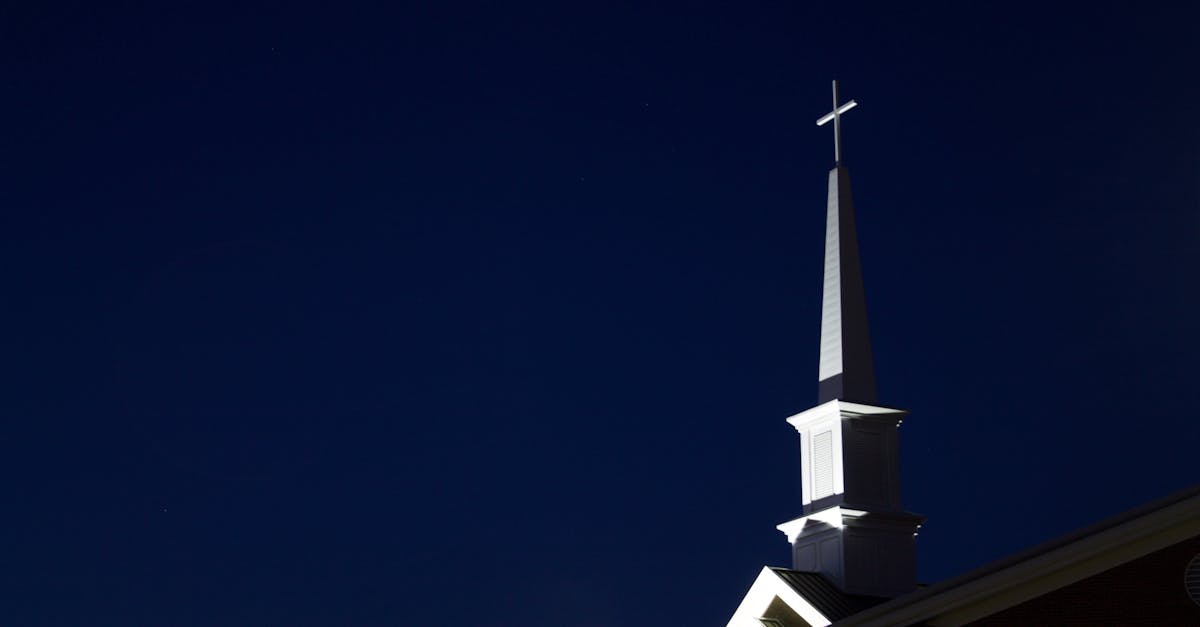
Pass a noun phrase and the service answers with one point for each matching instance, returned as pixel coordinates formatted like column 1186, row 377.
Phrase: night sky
column 491, row 314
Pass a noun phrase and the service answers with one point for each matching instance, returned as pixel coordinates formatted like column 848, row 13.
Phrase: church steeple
column 853, row 529
column 845, row 370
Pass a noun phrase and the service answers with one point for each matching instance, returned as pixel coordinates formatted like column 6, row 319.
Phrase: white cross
column 836, row 116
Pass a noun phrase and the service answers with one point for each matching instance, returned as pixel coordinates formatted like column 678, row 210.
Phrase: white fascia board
column 765, row 588
column 834, row 517
column 837, row 409
column 807, row 418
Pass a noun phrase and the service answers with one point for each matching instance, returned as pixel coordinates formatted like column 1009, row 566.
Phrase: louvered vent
column 1191, row 579
column 822, row 465
column 865, row 465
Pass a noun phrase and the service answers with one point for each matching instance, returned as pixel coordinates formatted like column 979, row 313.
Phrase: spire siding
column 846, row 370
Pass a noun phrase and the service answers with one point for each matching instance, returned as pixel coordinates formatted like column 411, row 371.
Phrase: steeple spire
column 846, row 370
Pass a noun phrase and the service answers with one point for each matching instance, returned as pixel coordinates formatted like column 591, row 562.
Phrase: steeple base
column 860, row 551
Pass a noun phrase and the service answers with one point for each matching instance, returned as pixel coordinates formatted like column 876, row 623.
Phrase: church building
column 853, row 546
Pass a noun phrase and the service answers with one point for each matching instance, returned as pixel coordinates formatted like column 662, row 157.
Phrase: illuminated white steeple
column 845, row 370
column 853, row 529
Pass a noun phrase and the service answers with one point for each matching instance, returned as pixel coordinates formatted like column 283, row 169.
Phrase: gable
column 772, row 598
column 781, row 597
column 780, row 614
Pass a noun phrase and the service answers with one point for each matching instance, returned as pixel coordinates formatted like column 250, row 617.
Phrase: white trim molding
column 766, row 588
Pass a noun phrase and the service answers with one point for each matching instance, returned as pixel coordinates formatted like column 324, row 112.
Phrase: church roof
column 825, row 596
column 1041, row 569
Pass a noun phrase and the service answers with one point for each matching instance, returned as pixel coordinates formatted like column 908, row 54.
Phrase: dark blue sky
column 490, row 314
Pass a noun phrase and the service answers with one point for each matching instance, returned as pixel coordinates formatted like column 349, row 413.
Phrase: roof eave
column 1049, row 566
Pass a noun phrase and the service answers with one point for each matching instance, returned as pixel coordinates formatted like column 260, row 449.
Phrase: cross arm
column 840, row 110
